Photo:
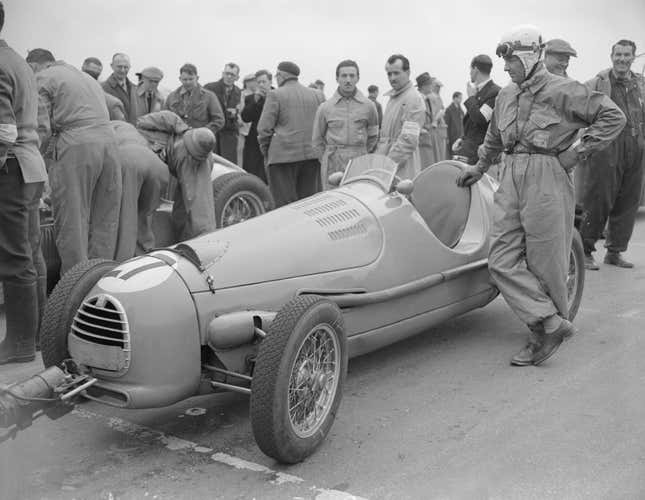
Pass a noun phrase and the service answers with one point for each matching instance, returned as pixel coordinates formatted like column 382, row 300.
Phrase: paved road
column 439, row 416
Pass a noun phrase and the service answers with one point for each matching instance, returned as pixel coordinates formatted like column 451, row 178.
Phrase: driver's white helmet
column 523, row 41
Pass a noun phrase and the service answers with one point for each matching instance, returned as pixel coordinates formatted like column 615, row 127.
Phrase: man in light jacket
column 284, row 134
column 346, row 126
column 404, row 116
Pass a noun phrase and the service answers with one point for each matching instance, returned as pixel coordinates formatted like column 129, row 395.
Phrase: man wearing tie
column 121, row 87
column 147, row 94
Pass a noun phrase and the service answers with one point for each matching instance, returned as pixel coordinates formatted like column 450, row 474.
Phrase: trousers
column 533, row 217
column 18, row 227
column 226, row 145
column 612, row 182
column 86, row 186
column 289, row 182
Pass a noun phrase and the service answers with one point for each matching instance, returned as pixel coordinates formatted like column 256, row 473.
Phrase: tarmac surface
column 439, row 416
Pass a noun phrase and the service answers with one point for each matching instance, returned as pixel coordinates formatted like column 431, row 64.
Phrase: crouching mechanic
column 186, row 151
column 143, row 173
column 535, row 122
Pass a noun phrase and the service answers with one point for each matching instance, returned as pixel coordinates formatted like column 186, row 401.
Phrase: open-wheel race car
column 274, row 307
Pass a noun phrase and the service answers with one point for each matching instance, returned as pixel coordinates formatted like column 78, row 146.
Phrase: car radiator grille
column 102, row 320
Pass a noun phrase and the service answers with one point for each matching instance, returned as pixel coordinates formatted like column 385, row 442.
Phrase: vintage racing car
column 273, row 307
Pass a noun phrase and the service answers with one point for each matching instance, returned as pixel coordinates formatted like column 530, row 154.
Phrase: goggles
column 507, row 49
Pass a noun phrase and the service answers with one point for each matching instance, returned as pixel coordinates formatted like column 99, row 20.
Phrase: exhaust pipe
column 49, row 392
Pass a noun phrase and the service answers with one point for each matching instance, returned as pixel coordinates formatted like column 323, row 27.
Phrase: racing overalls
column 535, row 124
column 85, row 172
column 344, row 128
column 612, row 179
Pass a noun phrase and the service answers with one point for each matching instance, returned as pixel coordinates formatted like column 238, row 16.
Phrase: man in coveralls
column 535, row 122
column 85, row 172
column 346, row 125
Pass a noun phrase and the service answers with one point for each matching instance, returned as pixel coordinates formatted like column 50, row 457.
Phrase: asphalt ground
column 439, row 416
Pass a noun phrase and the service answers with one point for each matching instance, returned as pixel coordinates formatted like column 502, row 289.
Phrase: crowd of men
column 107, row 149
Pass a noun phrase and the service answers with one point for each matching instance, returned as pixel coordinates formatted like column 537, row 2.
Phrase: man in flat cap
column 285, row 130
column 557, row 53
column 147, row 94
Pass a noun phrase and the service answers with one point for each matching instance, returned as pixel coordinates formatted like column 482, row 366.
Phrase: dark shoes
column 525, row 356
column 542, row 346
column 590, row 263
column 615, row 259
column 551, row 342
column 21, row 304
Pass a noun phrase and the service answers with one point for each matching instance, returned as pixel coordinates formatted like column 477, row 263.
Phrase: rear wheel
column 576, row 275
column 62, row 305
column 239, row 196
column 298, row 379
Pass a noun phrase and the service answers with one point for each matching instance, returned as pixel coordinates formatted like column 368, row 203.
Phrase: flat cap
column 559, row 46
column 152, row 73
column 199, row 142
column 423, row 78
column 289, row 67
column 249, row 77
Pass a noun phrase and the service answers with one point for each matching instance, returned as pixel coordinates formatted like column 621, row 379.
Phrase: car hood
column 327, row 232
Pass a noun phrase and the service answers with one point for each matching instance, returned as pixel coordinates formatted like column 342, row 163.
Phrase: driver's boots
column 526, row 354
column 21, row 304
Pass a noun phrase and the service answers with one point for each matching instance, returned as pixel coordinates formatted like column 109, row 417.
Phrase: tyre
column 62, row 305
column 239, row 196
column 298, row 378
column 576, row 275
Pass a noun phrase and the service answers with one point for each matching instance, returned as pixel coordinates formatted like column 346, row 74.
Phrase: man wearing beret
column 285, row 130
column 147, row 94
column 556, row 56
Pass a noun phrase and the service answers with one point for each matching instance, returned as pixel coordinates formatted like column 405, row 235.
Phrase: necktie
column 149, row 98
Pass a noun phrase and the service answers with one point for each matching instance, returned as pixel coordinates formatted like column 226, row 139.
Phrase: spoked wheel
column 239, row 196
column 240, row 207
column 298, row 379
column 313, row 380
column 576, row 275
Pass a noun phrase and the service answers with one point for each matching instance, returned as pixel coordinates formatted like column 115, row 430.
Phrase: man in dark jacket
column 482, row 92
column 194, row 104
column 253, row 161
column 454, row 118
column 229, row 96
column 612, row 179
column 121, row 87
column 284, row 134
column 22, row 176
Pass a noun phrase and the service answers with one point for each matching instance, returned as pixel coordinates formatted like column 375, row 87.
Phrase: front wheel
column 62, row 305
column 576, row 275
column 298, row 378
column 239, row 196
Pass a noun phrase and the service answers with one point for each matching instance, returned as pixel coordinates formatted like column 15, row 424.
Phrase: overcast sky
column 440, row 37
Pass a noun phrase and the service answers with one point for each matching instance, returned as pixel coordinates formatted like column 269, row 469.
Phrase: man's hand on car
column 470, row 175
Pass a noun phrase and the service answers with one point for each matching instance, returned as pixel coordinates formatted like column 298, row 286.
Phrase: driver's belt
column 521, row 149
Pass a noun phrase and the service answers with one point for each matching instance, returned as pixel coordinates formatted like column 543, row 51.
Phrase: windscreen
column 376, row 168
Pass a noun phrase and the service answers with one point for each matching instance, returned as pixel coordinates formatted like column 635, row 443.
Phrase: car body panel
column 171, row 296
